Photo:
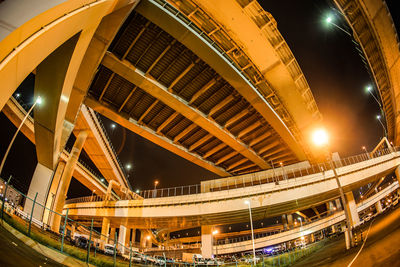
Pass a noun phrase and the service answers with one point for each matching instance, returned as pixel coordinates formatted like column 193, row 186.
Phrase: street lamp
column 155, row 184
column 252, row 231
column 38, row 101
column 378, row 117
column 93, row 193
column 329, row 20
column 369, row 89
column 128, row 166
column 215, row 232
column 321, row 139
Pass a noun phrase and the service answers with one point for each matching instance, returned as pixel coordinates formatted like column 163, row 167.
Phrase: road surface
column 14, row 252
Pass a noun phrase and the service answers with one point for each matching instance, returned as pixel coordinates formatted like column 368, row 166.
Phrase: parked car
column 109, row 249
column 81, row 242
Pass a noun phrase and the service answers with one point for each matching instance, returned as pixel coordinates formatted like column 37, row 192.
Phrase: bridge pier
column 47, row 215
column 352, row 209
column 105, row 228
column 289, row 218
column 40, row 184
column 338, row 204
column 123, row 237
column 206, row 241
column 378, row 206
column 66, row 179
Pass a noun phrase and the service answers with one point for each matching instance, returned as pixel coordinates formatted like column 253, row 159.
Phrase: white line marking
column 366, row 237
column 14, row 244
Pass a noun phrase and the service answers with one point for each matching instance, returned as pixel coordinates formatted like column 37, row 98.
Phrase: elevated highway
column 271, row 198
column 176, row 77
column 374, row 30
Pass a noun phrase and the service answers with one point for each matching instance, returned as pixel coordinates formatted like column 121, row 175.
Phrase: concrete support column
column 397, row 173
column 122, row 238
column 312, row 238
column 105, row 228
column 284, row 222
column 352, row 209
column 40, row 184
column 378, row 206
column 290, row 220
column 338, row 204
column 72, row 231
column 333, row 229
column 132, row 236
column 330, row 207
column 112, row 235
column 66, row 179
column 47, row 216
column 206, row 241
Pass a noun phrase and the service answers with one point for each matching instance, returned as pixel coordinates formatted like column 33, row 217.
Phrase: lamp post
column 252, row 231
column 38, row 101
column 320, row 138
column 155, row 184
column 369, row 89
column 329, row 20
column 93, row 193
column 378, row 117
column 215, row 232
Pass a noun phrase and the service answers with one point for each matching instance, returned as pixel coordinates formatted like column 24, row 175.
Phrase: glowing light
column 378, row 117
column 128, row 166
column 39, row 100
column 148, row 237
column 328, row 19
column 320, row 137
column 137, row 191
column 156, row 182
column 17, row 95
column 247, row 202
column 113, row 125
column 368, row 88
column 215, row 232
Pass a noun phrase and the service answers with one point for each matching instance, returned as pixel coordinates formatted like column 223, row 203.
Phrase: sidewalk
column 44, row 250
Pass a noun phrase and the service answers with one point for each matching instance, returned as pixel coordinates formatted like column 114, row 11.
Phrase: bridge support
column 40, row 184
column 206, row 241
column 47, row 216
column 284, row 222
column 66, row 179
column 338, row 204
column 397, row 173
column 330, row 207
column 123, row 238
column 378, row 206
column 352, row 209
column 105, row 228
column 289, row 220
column 112, row 235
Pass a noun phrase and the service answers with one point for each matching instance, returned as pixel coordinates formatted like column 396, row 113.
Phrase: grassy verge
column 54, row 242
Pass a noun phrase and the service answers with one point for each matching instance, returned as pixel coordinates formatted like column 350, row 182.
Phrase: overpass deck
column 227, row 206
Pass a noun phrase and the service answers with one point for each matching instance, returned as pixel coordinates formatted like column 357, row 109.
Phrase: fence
column 275, row 176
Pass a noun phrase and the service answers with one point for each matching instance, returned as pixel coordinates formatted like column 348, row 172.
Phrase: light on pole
column 94, row 190
column 252, row 231
column 38, row 101
column 215, row 232
column 369, row 89
column 378, row 117
column 155, row 184
column 321, row 139
column 329, row 20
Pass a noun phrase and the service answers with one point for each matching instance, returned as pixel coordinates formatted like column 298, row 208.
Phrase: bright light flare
column 320, row 137
column 148, row 237
column 378, row 117
column 215, row 232
column 328, row 19
column 247, row 202
column 39, row 100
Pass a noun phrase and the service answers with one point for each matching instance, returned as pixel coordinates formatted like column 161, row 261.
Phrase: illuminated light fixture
column 320, row 137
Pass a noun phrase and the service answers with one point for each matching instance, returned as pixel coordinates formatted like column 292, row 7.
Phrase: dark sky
column 330, row 62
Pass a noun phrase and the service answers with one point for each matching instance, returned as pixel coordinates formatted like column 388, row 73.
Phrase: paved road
column 14, row 252
column 382, row 247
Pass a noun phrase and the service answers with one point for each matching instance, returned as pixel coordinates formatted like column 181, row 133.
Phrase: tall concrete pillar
column 397, row 173
column 132, row 235
column 206, row 241
column 284, row 222
column 333, row 229
column 330, row 207
column 111, row 238
column 47, row 216
column 40, row 184
column 105, row 228
column 338, row 204
column 122, row 238
column 352, row 209
column 378, row 206
column 290, row 220
column 312, row 238
column 66, row 179
column 73, row 231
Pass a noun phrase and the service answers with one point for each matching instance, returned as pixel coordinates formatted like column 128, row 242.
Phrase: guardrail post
column 4, row 197
column 63, row 233
column 90, row 240
column 30, row 220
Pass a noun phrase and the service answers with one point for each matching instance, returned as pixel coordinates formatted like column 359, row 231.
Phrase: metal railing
column 263, row 177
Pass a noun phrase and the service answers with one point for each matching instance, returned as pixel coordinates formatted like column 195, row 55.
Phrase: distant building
column 13, row 196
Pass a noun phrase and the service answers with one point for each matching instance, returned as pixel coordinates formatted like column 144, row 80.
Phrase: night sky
column 332, row 67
